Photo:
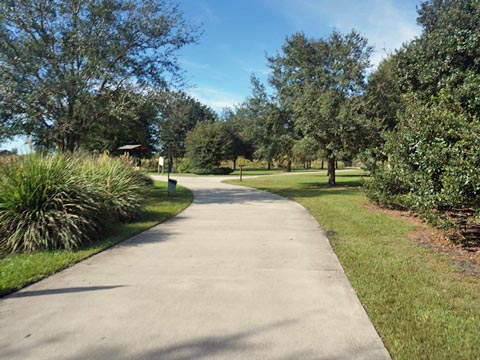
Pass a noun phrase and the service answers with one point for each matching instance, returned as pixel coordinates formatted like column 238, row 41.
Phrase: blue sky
column 238, row 33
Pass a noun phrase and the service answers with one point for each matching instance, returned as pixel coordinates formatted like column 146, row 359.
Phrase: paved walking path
column 240, row 274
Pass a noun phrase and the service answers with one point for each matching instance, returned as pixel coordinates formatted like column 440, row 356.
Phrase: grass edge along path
column 421, row 304
column 18, row 271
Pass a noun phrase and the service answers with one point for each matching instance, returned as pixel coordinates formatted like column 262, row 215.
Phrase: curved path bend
column 240, row 274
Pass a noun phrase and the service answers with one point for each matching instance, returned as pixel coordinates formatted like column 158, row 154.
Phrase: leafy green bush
column 183, row 165
column 55, row 202
column 150, row 164
column 212, row 171
column 207, row 145
column 387, row 188
column 435, row 162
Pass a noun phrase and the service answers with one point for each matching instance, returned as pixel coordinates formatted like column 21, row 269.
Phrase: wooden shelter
column 136, row 152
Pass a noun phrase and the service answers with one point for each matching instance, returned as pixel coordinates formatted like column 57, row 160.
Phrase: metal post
column 241, row 168
column 168, row 172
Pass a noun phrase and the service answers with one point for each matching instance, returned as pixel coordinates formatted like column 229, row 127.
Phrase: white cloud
column 385, row 24
column 256, row 71
column 193, row 64
column 217, row 99
column 207, row 12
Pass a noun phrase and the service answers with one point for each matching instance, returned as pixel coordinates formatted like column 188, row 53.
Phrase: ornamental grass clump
column 123, row 190
column 64, row 201
column 44, row 204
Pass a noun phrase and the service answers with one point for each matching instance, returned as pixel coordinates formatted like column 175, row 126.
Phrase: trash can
column 172, row 186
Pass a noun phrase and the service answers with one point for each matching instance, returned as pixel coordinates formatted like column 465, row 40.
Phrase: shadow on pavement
column 236, row 346
column 233, row 196
column 62, row 291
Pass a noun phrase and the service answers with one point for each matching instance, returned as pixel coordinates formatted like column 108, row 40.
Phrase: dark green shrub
column 223, row 171
column 435, row 162
column 183, row 166
column 210, row 171
column 387, row 188
column 207, row 145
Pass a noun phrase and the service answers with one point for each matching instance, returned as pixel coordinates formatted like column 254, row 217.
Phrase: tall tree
column 61, row 61
column 268, row 125
column 178, row 115
column 382, row 103
column 315, row 81
column 446, row 56
column 132, row 124
column 306, row 151
column 236, row 125
column 207, row 145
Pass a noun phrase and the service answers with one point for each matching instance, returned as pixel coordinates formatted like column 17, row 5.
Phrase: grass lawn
column 236, row 172
column 246, row 171
column 18, row 271
column 421, row 304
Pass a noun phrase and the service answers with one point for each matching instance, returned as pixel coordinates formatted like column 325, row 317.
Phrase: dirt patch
column 467, row 256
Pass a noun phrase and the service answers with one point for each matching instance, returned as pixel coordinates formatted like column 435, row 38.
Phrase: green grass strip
column 18, row 271
column 420, row 302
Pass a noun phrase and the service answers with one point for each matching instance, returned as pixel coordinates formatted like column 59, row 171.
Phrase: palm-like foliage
column 52, row 202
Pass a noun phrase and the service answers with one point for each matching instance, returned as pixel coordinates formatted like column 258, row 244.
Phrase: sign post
column 241, row 164
column 161, row 164
column 172, row 184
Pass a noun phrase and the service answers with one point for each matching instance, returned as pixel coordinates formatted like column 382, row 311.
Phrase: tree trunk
column 322, row 165
column 331, row 167
column 289, row 166
column 269, row 165
column 331, row 172
column 70, row 145
column 170, row 163
column 234, row 163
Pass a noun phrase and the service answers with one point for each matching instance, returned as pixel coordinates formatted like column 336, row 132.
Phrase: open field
column 420, row 302
column 18, row 271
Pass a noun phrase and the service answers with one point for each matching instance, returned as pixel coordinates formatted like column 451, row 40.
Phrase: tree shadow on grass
column 340, row 185
column 351, row 175
column 343, row 180
column 317, row 192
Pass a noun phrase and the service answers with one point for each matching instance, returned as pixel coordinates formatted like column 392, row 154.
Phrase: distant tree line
column 316, row 109
column 414, row 121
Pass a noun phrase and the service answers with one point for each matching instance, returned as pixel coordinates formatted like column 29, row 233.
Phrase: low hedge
column 212, row 171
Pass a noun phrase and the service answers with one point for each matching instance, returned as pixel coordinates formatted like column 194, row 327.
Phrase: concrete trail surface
column 240, row 274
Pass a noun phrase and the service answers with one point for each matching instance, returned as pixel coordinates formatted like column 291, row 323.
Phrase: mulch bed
column 465, row 252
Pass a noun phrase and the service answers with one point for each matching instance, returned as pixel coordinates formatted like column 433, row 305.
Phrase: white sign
column 161, row 161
